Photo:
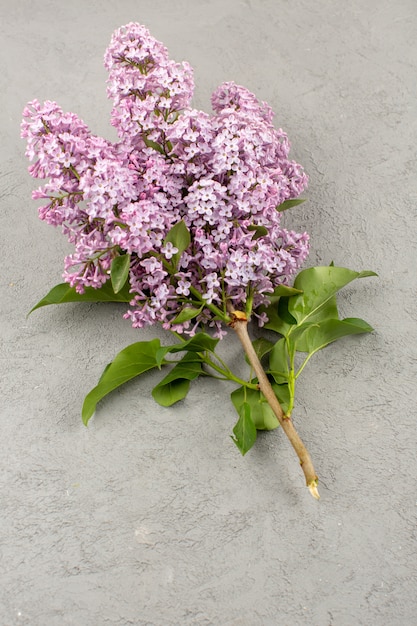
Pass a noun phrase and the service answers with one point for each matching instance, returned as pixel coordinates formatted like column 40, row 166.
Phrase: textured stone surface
column 150, row 516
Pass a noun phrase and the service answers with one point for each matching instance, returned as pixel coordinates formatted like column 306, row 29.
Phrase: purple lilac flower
column 147, row 88
column 87, row 180
column 223, row 175
column 232, row 96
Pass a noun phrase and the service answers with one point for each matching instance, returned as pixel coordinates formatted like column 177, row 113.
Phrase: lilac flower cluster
column 222, row 175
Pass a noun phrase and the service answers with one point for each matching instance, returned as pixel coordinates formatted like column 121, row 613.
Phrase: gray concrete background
column 150, row 516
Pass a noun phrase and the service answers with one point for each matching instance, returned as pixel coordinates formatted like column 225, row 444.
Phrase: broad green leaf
column 282, row 290
column 262, row 415
column 319, row 285
column 119, row 272
column 366, row 274
column 180, row 237
column 283, row 311
column 274, row 322
column 278, row 362
column 152, row 144
column 327, row 311
column 187, row 313
column 172, row 392
column 318, row 336
column 64, row 293
column 160, row 355
column 259, row 231
column 288, row 204
column 176, row 384
column 262, row 346
column 199, row 343
column 104, row 372
column 282, row 392
column 244, row 430
column 295, row 337
column 295, row 334
column 129, row 363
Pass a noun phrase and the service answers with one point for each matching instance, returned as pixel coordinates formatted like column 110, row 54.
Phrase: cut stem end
column 312, row 487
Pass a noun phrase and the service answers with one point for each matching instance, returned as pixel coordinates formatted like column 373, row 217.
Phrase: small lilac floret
column 168, row 250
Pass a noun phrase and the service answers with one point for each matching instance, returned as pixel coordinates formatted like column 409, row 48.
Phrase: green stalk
column 224, row 370
column 291, row 389
column 228, row 374
column 74, row 171
column 211, row 307
column 304, row 363
column 291, row 377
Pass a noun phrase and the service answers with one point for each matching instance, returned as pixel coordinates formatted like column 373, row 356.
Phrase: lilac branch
column 240, row 326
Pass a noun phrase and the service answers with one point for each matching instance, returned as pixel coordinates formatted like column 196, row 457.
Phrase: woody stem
column 239, row 324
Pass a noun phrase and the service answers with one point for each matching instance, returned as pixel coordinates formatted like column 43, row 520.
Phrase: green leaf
column 129, row 363
column 366, row 274
column 64, row 293
column 244, row 430
column 283, row 311
column 187, row 313
column 119, row 272
column 318, row 336
column 282, row 392
column 199, row 343
column 152, row 144
column 278, row 362
column 176, row 384
column 288, row 204
column 274, row 322
column 259, row 231
column 180, row 237
column 160, row 356
column 319, row 285
column 295, row 337
column 328, row 310
column 262, row 415
column 284, row 290
column 104, row 372
column 262, row 347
